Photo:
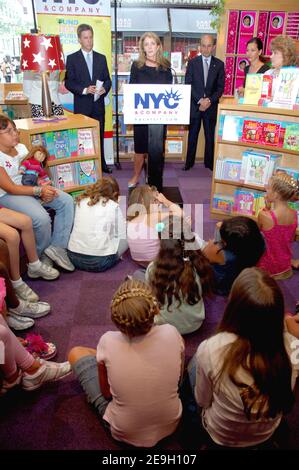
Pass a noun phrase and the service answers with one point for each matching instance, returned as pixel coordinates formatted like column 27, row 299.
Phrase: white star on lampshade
column 25, row 64
column 52, row 63
column 38, row 58
column 46, row 43
column 26, row 42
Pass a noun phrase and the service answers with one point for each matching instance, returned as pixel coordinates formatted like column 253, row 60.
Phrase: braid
column 133, row 308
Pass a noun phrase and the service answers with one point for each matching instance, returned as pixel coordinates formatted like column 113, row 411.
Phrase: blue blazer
column 214, row 86
column 78, row 78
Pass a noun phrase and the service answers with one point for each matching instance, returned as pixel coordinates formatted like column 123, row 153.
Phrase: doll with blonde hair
column 279, row 226
column 34, row 168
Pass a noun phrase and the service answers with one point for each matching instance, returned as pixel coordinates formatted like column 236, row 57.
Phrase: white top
column 143, row 374
column 223, row 413
column 32, row 86
column 97, row 229
column 11, row 164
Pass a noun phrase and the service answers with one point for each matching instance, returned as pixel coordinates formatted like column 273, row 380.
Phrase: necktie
column 89, row 64
column 205, row 70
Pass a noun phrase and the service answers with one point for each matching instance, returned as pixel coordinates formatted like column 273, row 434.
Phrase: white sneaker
column 18, row 322
column 46, row 272
column 60, row 257
column 30, row 309
column 24, row 292
column 46, row 260
column 48, row 372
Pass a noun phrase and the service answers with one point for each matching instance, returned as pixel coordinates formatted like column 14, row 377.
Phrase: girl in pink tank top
column 279, row 226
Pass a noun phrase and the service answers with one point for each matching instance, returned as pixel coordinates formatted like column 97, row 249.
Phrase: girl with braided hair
column 180, row 276
column 132, row 378
column 279, row 226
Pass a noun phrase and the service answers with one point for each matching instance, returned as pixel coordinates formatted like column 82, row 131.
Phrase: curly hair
column 39, row 148
column 104, row 189
column 133, row 308
column 175, row 268
column 160, row 59
column 287, row 47
column 284, row 185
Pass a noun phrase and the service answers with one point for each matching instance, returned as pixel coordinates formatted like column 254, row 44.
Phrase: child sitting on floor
column 19, row 366
column 33, row 168
column 279, row 226
column 138, row 368
column 180, row 277
column 238, row 244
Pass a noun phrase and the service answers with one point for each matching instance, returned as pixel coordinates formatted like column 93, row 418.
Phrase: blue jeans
column 63, row 205
column 86, row 371
column 95, row 264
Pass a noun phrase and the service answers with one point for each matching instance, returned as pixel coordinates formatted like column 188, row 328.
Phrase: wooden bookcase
column 233, row 149
column 29, row 128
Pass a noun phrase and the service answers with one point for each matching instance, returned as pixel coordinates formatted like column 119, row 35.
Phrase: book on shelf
column 228, row 169
column 223, row 202
column 270, row 133
column 286, row 89
column 174, row 145
column 253, row 88
column 63, row 176
column 85, row 142
column 61, row 144
column 294, row 172
column 257, row 169
column 251, row 131
column 248, row 202
column 273, row 160
column 86, row 172
column 266, row 91
column 291, row 136
column 232, row 128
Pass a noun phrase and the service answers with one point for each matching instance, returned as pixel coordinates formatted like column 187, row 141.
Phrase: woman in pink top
column 279, row 226
column 144, row 212
column 137, row 368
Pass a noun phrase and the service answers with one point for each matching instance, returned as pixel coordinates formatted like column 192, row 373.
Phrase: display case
column 251, row 144
column 73, row 145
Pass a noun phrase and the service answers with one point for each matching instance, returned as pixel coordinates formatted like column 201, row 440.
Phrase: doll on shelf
column 34, row 168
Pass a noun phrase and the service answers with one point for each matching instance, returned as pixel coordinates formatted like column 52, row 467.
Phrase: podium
column 157, row 106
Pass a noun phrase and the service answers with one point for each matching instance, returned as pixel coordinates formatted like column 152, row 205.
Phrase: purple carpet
column 57, row 416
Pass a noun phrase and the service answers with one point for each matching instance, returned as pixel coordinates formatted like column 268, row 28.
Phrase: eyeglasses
column 10, row 130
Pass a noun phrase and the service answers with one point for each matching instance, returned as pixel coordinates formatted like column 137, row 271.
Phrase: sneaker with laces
column 30, row 309
column 60, row 257
column 46, row 260
column 48, row 372
column 24, row 292
column 44, row 271
column 18, row 322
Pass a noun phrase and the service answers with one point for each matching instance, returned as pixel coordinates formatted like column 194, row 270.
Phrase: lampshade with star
column 42, row 53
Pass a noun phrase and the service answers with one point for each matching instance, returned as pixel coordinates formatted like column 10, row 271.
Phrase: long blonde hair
column 160, row 59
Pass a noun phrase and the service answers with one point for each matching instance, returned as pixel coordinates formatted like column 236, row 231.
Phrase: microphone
column 174, row 76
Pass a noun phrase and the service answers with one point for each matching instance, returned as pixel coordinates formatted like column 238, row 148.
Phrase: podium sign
column 156, row 104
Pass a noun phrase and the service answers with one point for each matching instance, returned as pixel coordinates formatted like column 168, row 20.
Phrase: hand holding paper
column 99, row 90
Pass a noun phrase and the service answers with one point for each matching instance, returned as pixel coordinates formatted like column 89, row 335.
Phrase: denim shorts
column 86, row 371
column 94, row 264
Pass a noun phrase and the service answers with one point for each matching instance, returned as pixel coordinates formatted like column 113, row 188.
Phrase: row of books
column 68, row 175
column 67, row 143
column 254, row 168
column 259, row 131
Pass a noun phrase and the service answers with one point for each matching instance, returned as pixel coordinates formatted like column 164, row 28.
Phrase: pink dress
column 278, row 255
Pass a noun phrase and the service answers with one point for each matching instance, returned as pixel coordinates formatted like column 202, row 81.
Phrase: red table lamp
column 42, row 53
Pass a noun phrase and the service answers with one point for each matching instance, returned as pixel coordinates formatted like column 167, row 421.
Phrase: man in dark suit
column 205, row 74
column 83, row 69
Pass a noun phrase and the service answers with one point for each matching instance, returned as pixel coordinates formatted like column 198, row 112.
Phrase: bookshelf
column 12, row 102
column 73, row 143
column 229, row 148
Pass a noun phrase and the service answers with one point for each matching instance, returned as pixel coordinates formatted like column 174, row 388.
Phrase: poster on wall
column 63, row 18
column 246, row 29
column 276, row 27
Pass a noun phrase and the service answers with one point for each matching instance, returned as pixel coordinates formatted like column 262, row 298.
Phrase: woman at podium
column 150, row 68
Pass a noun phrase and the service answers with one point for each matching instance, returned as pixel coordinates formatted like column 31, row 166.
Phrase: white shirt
column 223, row 413
column 32, row 86
column 97, row 229
column 11, row 164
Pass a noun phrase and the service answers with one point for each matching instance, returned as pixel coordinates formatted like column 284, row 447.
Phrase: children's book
column 266, row 91
column 257, row 169
column 49, row 144
column 65, row 177
column 244, row 202
column 253, row 88
column 291, row 137
column 286, row 89
column 231, row 170
column 223, row 202
column 62, row 144
column 251, row 131
column 85, row 142
column 294, row 172
column 270, row 133
column 73, row 138
column 87, row 172
column 232, row 128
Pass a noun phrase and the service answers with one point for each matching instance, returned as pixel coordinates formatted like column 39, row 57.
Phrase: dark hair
column 259, row 45
column 176, row 265
column 276, row 18
column 242, row 237
column 4, row 121
column 255, row 314
column 83, row 27
column 247, row 17
column 105, row 188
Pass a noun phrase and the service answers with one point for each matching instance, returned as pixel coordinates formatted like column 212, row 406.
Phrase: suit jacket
column 78, row 78
column 214, row 86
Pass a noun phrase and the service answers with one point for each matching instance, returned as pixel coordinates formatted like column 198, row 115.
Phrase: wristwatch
column 37, row 191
